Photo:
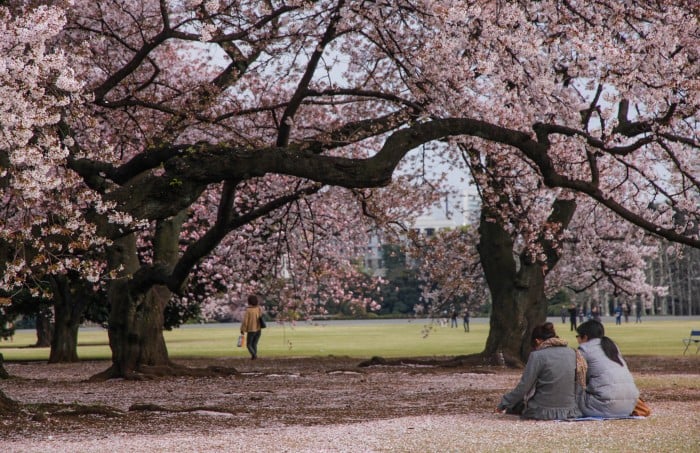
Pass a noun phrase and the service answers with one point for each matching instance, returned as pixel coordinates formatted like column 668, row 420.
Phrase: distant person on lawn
column 453, row 319
column 573, row 313
column 250, row 326
column 610, row 390
column 547, row 388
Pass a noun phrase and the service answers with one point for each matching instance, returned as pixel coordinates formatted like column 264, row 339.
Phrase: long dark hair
column 594, row 329
column 542, row 332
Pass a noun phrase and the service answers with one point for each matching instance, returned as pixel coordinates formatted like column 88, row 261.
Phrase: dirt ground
column 274, row 391
column 57, row 401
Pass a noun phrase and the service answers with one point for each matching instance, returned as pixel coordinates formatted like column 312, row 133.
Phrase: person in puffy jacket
column 610, row 390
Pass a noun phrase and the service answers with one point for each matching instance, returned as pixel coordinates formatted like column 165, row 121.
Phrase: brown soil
column 57, row 399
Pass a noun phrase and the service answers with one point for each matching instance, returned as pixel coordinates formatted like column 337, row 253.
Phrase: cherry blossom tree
column 524, row 258
column 604, row 254
column 613, row 120
column 186, row 101
column 106, row 136
column 36, row 85
column 42, row 237
column 301, row 257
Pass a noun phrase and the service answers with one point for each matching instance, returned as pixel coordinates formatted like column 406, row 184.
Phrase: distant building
column 471, row 205
column 453, row 212
column 373, row 259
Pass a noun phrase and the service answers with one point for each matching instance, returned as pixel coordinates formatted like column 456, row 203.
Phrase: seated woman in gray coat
column 547, row 389
column 610, row 390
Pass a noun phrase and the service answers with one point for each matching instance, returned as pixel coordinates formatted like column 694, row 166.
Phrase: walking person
column 638, row 312
column 547, row 388
column 610, row 390
column 453, row 319
column 465, row 321
column 572, row 316
column 251, row 327
column 618, row 315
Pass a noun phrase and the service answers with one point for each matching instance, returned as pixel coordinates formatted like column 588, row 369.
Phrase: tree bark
column 44, row 330
column 7, row 405
column 3, row 372
column 64, row 344
column 136, row 330
column 70, row 302
column 137, row 313
column 517, row 287
column 518, row 302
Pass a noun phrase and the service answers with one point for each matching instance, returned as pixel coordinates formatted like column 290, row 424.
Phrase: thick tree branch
column 213, row 163
column 364, row 93
column 190, row 167
column 147, row 160
column 630, row 216
column 543, row 132
column 214, row 235
column 112, row 81
column 562, row 212
column 356, row 131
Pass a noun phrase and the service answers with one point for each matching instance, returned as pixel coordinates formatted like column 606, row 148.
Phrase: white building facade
column 453, row 212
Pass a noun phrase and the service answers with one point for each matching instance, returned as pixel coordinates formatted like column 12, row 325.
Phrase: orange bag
column 641, row 409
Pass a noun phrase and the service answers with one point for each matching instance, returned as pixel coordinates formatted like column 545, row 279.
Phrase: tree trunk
column 520, row 310
column 64, row 344
column 689, row 282
column 518, row 302
column 136, row 316
column 6, row 404
column 3, row 372
column 69, row 306
column 44, row 330
column 671, row 297
column 517, row 286
column 136, row 331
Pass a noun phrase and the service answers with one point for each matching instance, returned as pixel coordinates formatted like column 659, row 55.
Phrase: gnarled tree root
column 149, row 372
column 7, row 405
column 41, row 412
column 471, row 360
column 72, row 410
column 146, row 407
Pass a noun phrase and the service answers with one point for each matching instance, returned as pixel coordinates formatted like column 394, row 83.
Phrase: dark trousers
column 251, row 342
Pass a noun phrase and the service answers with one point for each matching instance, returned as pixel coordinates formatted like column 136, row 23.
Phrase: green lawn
column 405, row 339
